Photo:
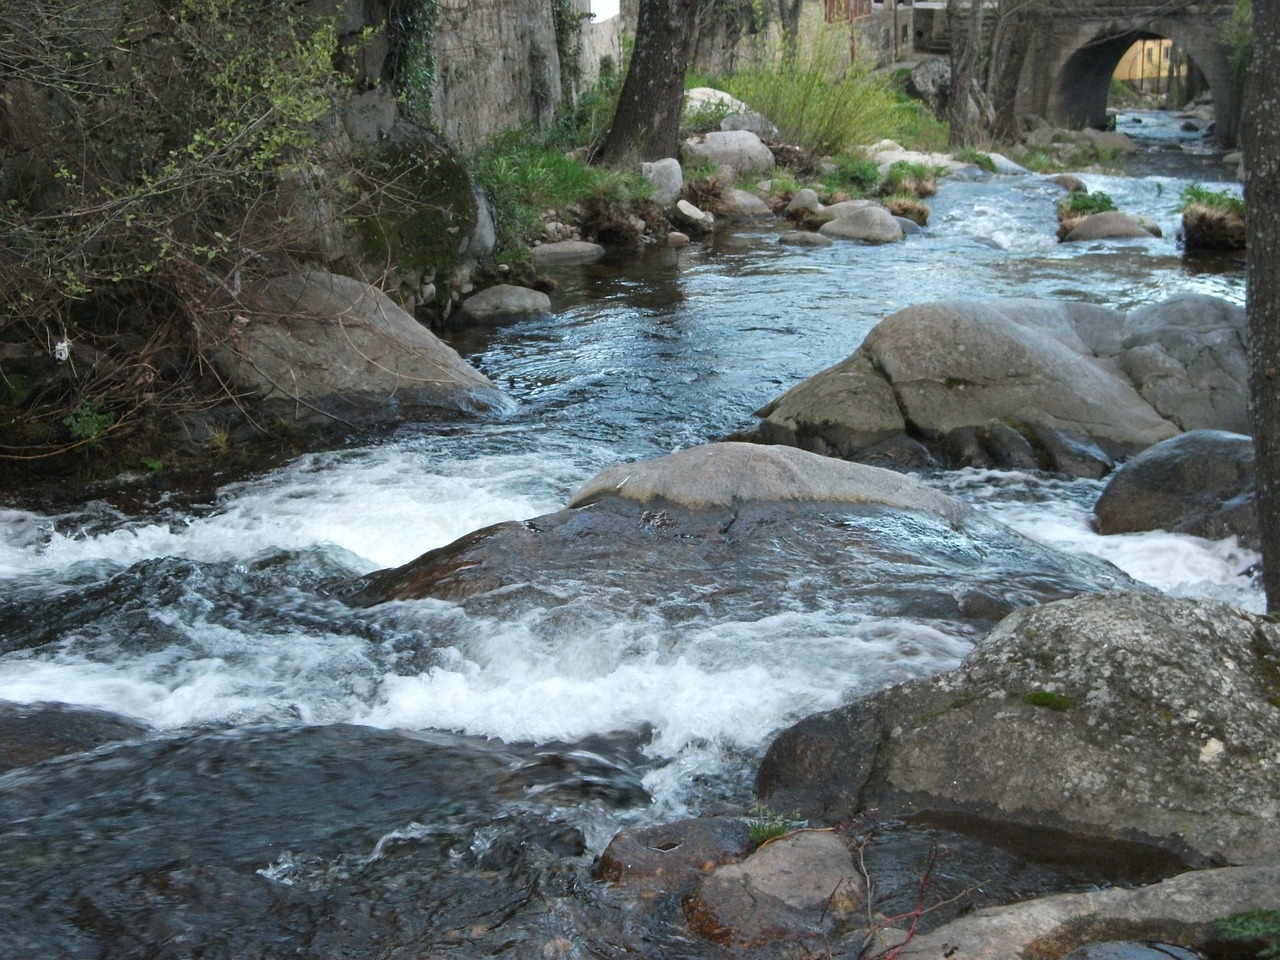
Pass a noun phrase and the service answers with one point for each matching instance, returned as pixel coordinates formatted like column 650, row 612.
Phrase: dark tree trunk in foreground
column 1261, row 136
column 647, row 123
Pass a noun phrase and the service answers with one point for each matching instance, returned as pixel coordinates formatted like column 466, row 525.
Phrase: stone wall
column 497, row 65
column 873, row 40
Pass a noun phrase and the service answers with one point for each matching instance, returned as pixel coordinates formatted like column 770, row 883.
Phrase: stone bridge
column 1068, row 72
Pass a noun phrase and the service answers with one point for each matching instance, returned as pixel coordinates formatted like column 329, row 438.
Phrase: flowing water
column 309, row 779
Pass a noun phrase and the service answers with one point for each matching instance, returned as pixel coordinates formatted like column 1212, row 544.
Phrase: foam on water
column 383, row 506
column 1059, row 512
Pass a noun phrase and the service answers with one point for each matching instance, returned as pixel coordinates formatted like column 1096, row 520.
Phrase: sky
column 604, row 9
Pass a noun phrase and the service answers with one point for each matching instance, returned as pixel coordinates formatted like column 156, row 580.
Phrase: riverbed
column 411, row 780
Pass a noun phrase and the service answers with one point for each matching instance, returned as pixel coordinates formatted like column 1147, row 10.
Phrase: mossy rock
column 422, row 208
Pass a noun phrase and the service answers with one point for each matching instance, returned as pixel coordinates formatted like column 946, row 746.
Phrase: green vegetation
column 1048, row 700
column 822, row 116
column 1262, row 927
column 88, row 421
column 907, row 205
column 913, row 179
column 976, row 157
column 162, row 163
column 411, row 58
column 526, row 174
column 766, row 826
column 1078, row 204
column 1223, row 200
column 1237, row 34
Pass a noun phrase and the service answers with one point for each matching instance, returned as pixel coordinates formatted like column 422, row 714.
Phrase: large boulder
column 871, row 223
column 505, row 300
column 740, row 150
column 1124, row 716
column 1186, row 356
column 1111, row 225
column 930, row 81
column 938, row 368
column 312, row 345
column 665, row 536
column 1081, row 384
column 1201, row 483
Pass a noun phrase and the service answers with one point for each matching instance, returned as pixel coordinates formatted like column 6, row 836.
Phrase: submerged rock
column 1110, row 225
column 1123, row 716
column 505, row 300
column 871, row 223
column 803, row 885
column 665, row 537
column 565, row 252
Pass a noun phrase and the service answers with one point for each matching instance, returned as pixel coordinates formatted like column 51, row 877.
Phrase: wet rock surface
column 669, row 534
column 1119, row 716
column 1200, row 483
column 30, row 733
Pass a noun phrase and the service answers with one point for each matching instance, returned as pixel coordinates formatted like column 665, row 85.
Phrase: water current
column 301, row 778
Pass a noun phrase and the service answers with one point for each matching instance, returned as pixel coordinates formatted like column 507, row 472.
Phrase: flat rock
column 566, row 252
column 804, row 238
column 752, row 515
column 505, row 300
column 1179, row 911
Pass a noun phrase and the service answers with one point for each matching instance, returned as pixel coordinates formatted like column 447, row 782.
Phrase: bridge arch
column 1070, row 84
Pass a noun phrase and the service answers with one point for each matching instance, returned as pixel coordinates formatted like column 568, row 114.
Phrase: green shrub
column 815, row 102
column 1223, row 200
column 1259, row 926
column 976, row 157
column 905, row 177
column 1083, row 204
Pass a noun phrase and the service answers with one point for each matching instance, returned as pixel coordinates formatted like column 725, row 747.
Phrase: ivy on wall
column 568, row 28
column 410, row 69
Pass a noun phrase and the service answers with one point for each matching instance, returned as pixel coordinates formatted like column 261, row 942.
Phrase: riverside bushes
column 145, row 162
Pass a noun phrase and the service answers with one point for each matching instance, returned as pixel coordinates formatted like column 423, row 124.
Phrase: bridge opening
column 1143, row 62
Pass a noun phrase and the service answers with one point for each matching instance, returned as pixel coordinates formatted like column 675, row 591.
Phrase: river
column 410, row 780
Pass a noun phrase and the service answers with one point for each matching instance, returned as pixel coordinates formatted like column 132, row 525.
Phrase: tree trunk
column 1009, row 46
column 646, row 125
column 1261, row 135
column 965, row 126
